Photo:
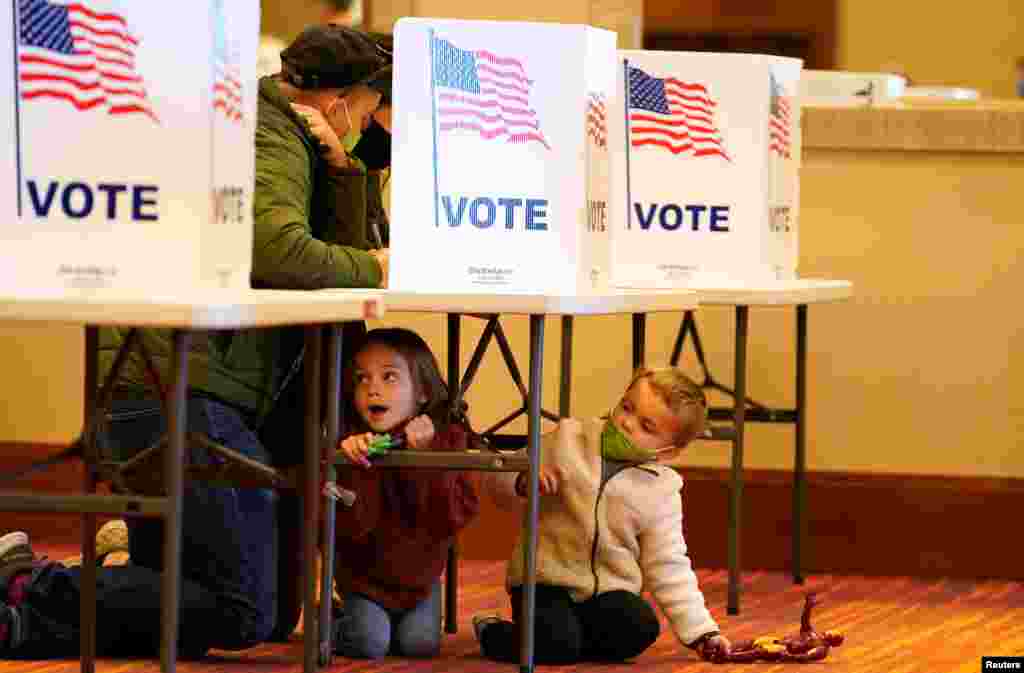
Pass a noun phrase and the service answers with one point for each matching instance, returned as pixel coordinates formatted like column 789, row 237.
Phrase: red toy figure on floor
column 808, row 645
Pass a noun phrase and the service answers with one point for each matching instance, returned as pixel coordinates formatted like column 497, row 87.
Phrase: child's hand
column 715, row 646
column 356, row 448
column 419, row 433
column 550, row 478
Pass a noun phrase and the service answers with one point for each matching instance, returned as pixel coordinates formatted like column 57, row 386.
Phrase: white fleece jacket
column 625, row 532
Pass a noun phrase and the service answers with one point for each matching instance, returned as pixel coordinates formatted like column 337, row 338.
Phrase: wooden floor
column 892, row 625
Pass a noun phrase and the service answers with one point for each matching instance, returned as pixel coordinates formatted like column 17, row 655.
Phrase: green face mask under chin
column 616, row 446
column 352, row 136
column 350, row 141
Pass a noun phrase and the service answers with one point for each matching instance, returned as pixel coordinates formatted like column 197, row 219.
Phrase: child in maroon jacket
column 393, row 541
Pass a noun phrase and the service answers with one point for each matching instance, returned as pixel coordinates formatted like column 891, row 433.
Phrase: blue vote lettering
column 483, row 211
column 673, row 217
column 79, row 199
column 474, row 212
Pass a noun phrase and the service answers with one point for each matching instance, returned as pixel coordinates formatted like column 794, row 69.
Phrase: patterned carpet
column 892, row 625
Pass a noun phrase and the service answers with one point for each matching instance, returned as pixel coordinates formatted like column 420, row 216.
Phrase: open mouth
column 377, row 411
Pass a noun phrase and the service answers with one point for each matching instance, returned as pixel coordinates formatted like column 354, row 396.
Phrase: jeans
column 366, row 630
column 228, row 555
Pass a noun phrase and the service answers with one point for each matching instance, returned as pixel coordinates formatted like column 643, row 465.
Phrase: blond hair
column 685, row 399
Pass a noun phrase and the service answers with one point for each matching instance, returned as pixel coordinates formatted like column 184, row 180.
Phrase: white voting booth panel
column 705, row 152
column 130, row 164
column 500, row 156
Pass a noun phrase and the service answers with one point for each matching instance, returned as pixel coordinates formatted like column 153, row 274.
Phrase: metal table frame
column 750, row 410
column 220, row 311
column 741, row 295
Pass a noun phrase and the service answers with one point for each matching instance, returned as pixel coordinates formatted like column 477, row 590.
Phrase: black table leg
column 565, row 382
column 87, row 602
column 639, row 340
column 174, row 468
column 451, row 574
column 736, row 486
column 311, row 495
column 800, row 459
column 532, row 505
column 333, row 420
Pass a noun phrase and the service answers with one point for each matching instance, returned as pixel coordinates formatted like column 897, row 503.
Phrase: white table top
column 612, row 301
column 211, row 309
column 774, row 293
column 629, row 300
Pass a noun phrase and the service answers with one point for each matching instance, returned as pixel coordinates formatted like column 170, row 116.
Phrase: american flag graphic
column 779, row 122
column 484, row 92
column 227, row 79
column 673, row 115
column 73, row 53
column 597, row 127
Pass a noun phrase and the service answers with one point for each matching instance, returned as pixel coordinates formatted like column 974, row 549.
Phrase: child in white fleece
column 610, row 527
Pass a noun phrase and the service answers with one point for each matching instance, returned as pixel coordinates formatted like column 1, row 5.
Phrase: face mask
column 616, row 446
column 353, row 134
column 374, row 148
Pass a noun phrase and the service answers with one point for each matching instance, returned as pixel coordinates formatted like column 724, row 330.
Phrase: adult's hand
column 334, row 152
column 382, row 256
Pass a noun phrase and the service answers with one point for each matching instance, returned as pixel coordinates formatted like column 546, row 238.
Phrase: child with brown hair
column 610, row 526
column 393, row 541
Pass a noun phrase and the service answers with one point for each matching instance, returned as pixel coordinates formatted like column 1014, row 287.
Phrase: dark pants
column 228, row 559
column 612, row 626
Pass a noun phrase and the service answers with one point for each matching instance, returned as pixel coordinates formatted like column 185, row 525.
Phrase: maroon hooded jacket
column 393, row 542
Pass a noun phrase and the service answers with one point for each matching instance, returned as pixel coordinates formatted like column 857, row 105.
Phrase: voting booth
column 705, row 152
column 130, row 160
column 500, row 156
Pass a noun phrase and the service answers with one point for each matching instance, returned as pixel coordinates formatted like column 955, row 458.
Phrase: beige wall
column 286, row 18
column 623, row 16
column 975, row 48
column 40, row 391
column 922, row 371
column 973, row 45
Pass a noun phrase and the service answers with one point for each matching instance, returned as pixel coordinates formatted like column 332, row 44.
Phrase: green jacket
column 310, row 233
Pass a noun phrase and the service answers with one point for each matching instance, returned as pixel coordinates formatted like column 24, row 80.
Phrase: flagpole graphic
column 215, row 18
column 17, row 103
column 625, row 98
column 433, row 119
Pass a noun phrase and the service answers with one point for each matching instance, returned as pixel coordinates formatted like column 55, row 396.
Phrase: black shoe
column 15, row 556
column 13, row 628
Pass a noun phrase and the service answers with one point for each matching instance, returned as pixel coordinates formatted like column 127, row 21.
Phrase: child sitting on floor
column 393, row 541
column 610, row 526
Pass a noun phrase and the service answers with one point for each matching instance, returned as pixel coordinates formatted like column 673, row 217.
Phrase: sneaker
column 13, row 627
column 111, row 545
column 481, row 622
column 15, row 556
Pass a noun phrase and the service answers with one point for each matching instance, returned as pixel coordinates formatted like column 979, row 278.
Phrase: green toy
column 381, row 444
